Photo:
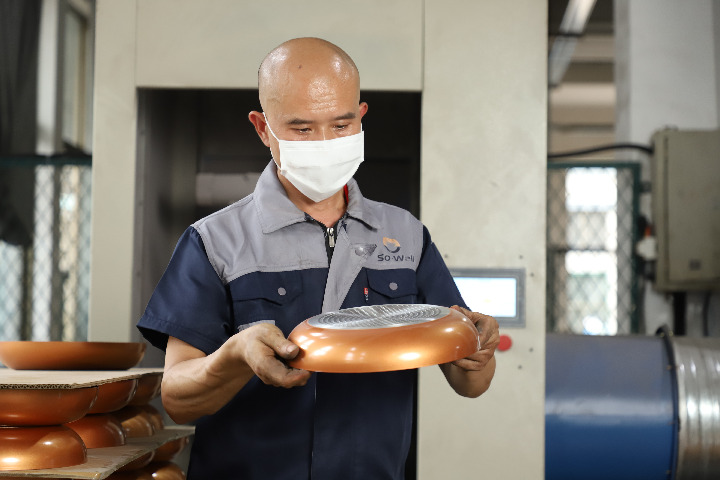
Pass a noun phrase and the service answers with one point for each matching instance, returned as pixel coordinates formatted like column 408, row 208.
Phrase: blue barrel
column 610, row 408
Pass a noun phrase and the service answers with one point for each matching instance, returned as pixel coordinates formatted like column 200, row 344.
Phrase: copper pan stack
column 33, row 434
column 42, row 427
column 139, row 418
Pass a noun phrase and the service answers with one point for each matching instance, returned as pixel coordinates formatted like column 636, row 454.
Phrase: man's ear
column 363, row 109
column 258, row 121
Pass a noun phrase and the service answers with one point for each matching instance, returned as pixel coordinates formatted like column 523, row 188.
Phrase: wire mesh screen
column 591, row 230
column 44, row 249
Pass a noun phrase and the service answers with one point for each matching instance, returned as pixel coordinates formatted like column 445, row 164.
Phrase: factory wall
column 483, row 199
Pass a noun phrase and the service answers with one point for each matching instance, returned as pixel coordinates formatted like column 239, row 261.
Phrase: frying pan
column 380, row 338
column 32, row 448
column 56, row 355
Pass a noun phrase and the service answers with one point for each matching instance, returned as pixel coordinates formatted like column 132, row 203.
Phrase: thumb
column 274, row 338
column 287, row 350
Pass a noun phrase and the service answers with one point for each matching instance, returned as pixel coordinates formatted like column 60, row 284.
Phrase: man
column 241, row 279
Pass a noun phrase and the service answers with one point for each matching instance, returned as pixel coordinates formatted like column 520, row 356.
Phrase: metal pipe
column 697, row 363
column 632, row 407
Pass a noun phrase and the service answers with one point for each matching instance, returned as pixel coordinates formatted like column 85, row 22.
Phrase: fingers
column 489, row 337
column 487, row 327
column 265, row 348
column 274, row 338
column 276, row 373
column 462, row 310
column 476, row 361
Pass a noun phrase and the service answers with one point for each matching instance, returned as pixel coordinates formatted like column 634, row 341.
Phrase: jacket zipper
column 331, row 237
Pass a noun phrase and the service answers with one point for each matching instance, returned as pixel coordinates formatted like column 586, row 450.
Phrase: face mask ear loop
column 269, row 128
column 273, row 134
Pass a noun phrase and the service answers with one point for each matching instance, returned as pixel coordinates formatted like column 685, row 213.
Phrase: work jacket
column 263, row 260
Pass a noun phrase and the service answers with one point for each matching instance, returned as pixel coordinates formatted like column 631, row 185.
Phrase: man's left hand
column 489, row 339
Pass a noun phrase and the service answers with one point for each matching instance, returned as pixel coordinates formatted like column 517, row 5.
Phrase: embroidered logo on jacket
column 392, row 245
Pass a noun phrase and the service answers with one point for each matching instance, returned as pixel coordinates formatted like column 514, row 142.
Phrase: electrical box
column 686, row 209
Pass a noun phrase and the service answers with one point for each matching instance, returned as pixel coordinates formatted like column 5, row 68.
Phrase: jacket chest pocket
column 266, row 297
column 392, row 286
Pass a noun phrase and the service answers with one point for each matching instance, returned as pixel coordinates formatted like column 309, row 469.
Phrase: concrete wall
column 113, row 173
column 211, row 43
column 483, row 200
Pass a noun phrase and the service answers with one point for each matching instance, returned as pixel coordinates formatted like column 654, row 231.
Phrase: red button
column 505, row 343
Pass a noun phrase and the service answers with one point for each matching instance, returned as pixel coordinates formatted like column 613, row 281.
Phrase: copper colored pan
column 168, row 450
column 114, row 395
column 32, row 448
column 156, row 418
column 135, row 422
column 148, row 388
column 26, row 355
column 382, row 338
column 100, row 430
column 165, row 471
column 27, row 407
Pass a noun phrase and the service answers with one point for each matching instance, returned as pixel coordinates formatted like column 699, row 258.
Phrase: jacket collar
column 276, row 211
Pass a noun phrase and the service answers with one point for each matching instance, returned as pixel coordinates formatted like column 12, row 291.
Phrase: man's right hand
column 263, row 348
column 195, row 384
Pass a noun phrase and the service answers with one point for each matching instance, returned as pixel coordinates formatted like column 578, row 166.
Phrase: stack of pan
column 43, row 427
column 140, row 419
column 32, row 435
column 35, row 434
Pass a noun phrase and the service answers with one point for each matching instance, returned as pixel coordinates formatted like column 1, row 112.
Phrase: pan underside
column 382, row 338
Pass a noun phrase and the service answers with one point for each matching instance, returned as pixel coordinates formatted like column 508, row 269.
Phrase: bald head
column 305, row 66
column 309, row 90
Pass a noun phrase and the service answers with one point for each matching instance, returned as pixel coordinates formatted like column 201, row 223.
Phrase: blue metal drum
column 610, row 408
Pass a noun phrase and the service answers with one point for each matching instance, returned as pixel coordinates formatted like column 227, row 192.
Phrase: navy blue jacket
column 261, row 260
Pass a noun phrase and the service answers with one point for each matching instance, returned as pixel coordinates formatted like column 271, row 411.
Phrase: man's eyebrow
column 302, row 121
column 347, row 116
column 298, row 121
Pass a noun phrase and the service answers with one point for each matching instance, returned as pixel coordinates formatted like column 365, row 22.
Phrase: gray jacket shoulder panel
column 236, row 244
column 387, row 214
column 226, row 231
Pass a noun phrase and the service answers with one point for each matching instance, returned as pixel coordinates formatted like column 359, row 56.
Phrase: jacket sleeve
column 435, row 283
column 190, row 302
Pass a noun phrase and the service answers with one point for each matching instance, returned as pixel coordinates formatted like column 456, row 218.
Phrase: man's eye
column 341, row 127
column 302, row 130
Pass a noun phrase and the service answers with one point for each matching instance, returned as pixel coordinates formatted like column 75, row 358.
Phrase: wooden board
column 10, row 378
column 102, row 462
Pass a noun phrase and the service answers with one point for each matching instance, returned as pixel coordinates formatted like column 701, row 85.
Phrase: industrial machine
column 632, row 407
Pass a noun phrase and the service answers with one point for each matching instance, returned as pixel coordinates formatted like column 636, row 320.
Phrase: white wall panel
column 113, row 173
column 220, row 43
column 483, row 199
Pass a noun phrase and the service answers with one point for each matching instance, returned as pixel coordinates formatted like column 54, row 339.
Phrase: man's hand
column 263, row 348
column 195, row 384
column 489, row 339
column 471, row 376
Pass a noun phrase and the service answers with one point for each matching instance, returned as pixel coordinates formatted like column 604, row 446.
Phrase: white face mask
column 320, row 168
